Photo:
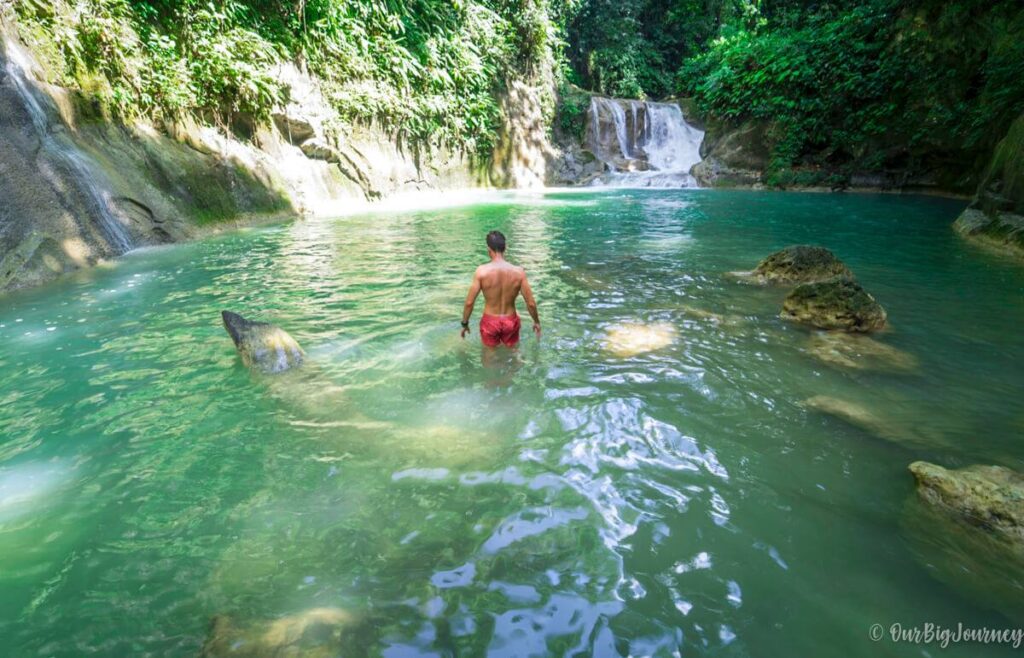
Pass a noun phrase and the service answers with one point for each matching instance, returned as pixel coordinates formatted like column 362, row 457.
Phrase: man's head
column 496, row 242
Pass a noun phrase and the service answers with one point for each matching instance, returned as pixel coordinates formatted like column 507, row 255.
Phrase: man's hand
column 467, row 308
column 531, row 304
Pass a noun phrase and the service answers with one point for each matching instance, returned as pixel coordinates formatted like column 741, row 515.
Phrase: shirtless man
column 501, row 282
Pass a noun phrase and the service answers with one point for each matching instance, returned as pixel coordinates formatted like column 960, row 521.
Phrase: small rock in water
column 838, row 303
column 631, row 339
column 797, row 264
column 262, row 345
column 859, row 352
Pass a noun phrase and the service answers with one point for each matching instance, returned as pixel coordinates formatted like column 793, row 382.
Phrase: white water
column 654, row 146
column 76, row 165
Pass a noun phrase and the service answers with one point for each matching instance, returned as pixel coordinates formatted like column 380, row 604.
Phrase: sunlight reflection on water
column 641, row 481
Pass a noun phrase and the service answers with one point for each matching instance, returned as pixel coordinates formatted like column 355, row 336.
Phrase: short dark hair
column 496, row 241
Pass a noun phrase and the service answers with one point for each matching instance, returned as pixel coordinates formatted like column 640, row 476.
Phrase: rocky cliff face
column 996, row 215
column 733, row 156
column 78, row 189
column 524, row 151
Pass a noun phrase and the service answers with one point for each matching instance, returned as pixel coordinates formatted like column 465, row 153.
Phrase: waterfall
column 75, row 163
column 642, row 143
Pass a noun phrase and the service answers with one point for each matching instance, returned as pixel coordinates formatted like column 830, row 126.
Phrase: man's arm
column 531, row 304
column 467, row 308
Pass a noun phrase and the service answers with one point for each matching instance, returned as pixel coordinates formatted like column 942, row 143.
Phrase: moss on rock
column 996, row 216
column 989, row 497
column 837, row 303
column 801, row 264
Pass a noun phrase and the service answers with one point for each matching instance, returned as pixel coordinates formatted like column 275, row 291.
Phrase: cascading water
column 75, row 163
column 643, row 144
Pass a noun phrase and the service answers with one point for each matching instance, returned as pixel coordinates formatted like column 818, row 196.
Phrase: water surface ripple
column 643, row 481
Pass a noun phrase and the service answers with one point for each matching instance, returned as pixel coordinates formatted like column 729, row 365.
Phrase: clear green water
column 560, row 500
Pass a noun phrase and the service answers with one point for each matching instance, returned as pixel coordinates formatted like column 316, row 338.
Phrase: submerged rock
column 859, row 352
column 837, row 303
column 313, row 633
column 262, row 345
column 978, row 565
column 989, row 497
column 630, row 339
column 966, row 527
column 798, row 264
column 894, row 431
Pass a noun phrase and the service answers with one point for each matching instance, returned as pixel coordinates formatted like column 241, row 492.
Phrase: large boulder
column 262, row 346
column 836, row 303
column 734, row 155
column 989, row 497
column 996, row 215
column 1001, row 229
column 800, row 264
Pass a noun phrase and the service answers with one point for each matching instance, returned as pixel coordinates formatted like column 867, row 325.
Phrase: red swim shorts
column 499, row 330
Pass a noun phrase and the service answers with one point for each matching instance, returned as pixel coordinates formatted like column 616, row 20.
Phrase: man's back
column 501, row 283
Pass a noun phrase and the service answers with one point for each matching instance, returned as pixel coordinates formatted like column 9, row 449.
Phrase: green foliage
column 632, row 48
column 574, row 103
column 876, row 84
column 431, row 70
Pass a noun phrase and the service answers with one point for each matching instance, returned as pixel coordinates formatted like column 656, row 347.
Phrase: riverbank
column 81, row 187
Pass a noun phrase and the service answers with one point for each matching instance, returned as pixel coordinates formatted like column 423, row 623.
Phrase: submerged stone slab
column 859, row 416
column 314, row 633
column 631, row 339
column 978, row 565
column 859, row 352
column 837, row 303
column 261, row 345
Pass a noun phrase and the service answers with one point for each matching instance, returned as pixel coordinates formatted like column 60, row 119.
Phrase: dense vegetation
column 429, row 69
column 843, row 85
column 869, row 84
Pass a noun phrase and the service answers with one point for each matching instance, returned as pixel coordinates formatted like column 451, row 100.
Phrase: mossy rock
column 989, row 497
column 801, row 264
column 966, row 527
column 837, row 303
column 1002, row 230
